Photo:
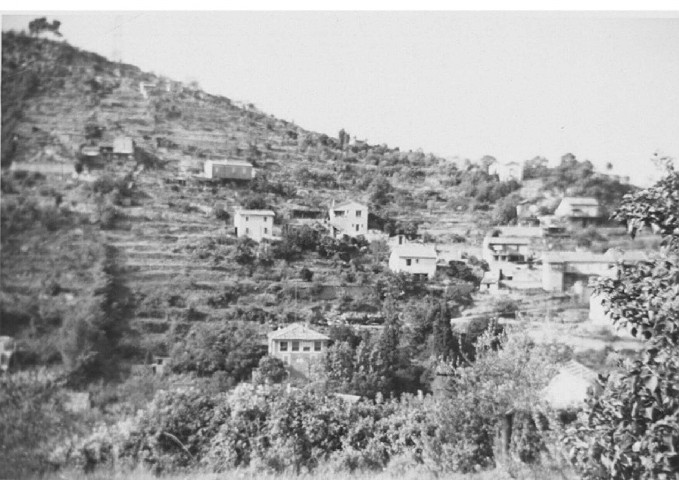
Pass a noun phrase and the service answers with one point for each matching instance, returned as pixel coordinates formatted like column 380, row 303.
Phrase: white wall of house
column 253, row 224
column 351, row 219
column 567, row 208
column 401, row 262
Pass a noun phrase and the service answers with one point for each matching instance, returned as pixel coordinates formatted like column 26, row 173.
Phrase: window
column 283, row 347
column 408, row 262
column 417, row 260
column 317, row 346
column 306, row 347
column 266, row 230
column 247, row 219
column 357, row 227
column 247, row 231
column 358, row 214
column 295, row 345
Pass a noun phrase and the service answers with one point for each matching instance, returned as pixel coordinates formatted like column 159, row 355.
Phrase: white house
column 506, row 249
column 348, row 218
column 256, row 224
column 299, row 347
column 580, row 211
column 507, row 171
column 415, row 259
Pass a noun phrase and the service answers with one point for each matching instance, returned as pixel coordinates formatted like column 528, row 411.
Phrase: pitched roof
column 346, row 203
column 581, row 201
column 268, row 213
column 296, row 331
column 415, row 250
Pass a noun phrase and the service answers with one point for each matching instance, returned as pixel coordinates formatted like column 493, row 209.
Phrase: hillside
column 165, row 233
column 171, row 252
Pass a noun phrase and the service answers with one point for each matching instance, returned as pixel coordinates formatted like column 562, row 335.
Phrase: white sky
column 604, row 86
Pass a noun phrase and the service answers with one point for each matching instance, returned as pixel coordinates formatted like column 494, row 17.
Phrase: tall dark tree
column 443, row 341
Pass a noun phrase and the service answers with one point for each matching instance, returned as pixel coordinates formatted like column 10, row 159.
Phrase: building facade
column 348, row 218
column 299, row 347
column 497, row 250
column 414, row 259
column 255, row 224
column 580, row 211
column 228, row 169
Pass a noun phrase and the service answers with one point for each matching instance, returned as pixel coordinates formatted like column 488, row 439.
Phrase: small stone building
column 299, row 347
column 228, row 169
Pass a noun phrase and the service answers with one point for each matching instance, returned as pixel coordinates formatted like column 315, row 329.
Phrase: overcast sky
column 513, row 85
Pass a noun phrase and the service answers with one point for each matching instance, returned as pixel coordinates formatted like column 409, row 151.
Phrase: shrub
column 306, row 274
column 272, row 369
column 208, row 348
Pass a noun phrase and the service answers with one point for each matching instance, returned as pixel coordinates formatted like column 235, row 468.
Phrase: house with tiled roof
column 299, row 347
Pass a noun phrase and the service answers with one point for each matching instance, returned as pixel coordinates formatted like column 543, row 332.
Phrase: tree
column 381, row 191
column 39, row 25
column 632, row 430
column 535, row 168
column 505, row 212
column 245, row 251
column 232, row 347
column 443, row 342
column 272, row 369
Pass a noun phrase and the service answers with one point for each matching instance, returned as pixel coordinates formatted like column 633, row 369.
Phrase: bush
column 232, row 348
column 272, row 369
column 306, row 274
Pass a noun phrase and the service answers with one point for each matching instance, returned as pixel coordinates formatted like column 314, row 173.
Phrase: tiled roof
column 583, row 201
column 347, row 203
column 297, row 331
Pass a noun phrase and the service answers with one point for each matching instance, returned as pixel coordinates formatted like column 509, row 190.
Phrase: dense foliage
column 274, row 429
column 632, row 430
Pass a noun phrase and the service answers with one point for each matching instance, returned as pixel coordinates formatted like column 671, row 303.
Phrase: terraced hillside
column 172, row 253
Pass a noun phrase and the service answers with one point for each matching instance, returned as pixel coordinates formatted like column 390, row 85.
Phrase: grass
column 522, row 471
